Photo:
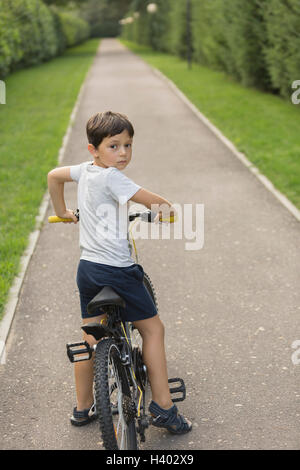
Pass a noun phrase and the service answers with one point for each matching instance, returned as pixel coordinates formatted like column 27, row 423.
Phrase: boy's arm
column 56, row 180
column 148, row 199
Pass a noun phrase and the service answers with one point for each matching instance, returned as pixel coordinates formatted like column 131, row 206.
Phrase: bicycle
column 120, row 376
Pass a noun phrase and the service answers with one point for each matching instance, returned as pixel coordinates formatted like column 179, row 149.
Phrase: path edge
column 15, row 289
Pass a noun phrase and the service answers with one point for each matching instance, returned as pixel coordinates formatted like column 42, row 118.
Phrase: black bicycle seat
column 107, row 296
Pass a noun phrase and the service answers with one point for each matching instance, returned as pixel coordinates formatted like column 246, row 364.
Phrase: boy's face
column 113, row 151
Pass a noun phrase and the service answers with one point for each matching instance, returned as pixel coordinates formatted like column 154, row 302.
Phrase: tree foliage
column 257, row 42
column 32, row 32
column 104, row 15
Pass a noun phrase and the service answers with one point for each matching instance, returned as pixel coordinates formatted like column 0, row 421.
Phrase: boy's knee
column 151, row 327
column 162, row 327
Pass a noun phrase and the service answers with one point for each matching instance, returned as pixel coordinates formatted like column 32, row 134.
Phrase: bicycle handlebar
column 54, row 218
column 146, row 216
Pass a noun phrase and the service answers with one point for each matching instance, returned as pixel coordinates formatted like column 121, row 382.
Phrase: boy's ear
column 91, row 149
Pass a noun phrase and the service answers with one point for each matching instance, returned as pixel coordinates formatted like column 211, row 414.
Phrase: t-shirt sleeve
column 75, row 171
column 120, row 186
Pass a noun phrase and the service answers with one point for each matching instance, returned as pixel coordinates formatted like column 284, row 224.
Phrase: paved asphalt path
column 231, row 309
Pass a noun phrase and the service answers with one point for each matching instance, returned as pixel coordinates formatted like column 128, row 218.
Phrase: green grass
column 39, row 101
column 262, row 126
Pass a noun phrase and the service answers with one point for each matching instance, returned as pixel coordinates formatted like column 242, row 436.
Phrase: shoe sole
column 83, row 423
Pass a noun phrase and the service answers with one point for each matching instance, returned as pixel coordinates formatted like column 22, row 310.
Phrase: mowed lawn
column 263, row 126
column 33, row 122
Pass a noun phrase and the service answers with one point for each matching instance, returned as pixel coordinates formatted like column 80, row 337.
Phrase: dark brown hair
column 107, row 124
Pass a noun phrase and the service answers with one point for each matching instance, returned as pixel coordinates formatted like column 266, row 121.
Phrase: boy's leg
column 84, row 373
column 152, row 332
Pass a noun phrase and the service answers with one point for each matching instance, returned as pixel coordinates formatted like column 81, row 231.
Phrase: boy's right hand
column 68, row 214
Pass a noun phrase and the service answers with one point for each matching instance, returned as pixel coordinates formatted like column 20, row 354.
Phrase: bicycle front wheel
column 114, row 403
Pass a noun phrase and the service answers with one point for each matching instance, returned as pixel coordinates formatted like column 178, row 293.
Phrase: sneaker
column 169, row 419
column 80, row 418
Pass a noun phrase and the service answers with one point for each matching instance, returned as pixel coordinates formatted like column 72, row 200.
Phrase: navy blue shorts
column 127, row 282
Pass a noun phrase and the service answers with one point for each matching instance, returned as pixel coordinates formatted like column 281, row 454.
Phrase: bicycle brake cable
column 134, row 245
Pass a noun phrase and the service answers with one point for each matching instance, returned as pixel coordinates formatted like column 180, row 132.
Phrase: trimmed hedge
column 282, row 52
column 75, row 29
column 257, row 42
column 232, row 38
column 31, row 33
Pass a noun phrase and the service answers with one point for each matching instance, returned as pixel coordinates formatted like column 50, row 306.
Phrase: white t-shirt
column 103, row 195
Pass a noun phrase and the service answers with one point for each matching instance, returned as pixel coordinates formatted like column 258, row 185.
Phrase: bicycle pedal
column 179, row 389
column 79, row 351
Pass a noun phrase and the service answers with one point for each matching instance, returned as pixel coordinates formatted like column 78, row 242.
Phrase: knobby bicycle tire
column 150, row 288
column 106, row 351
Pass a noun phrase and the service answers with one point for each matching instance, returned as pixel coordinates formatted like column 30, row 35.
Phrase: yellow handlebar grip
column 54, row 219
column 170, row 219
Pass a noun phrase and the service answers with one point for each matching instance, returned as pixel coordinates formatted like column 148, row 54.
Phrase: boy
column 106, row 260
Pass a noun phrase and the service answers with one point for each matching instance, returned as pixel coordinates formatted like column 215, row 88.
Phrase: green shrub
column 231, row 37
column 10, row 41
column 177, row 38
column 159, row 25
column 209, row 28
column 60, row 36
column 31, row 32
column 36, row 29
column 75, row 29
column 246, row 39
column 107, row 29
column 283, row 49
column 257, row 42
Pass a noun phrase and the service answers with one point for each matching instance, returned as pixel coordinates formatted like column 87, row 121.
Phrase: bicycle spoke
column 116, row 420
column 121, row 430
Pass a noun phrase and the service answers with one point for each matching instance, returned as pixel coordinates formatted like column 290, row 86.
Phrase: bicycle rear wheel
column 150, row 288
column 112, row 390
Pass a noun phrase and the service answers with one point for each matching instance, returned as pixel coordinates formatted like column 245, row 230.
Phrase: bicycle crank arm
column 179, row 389
column 79, row 351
